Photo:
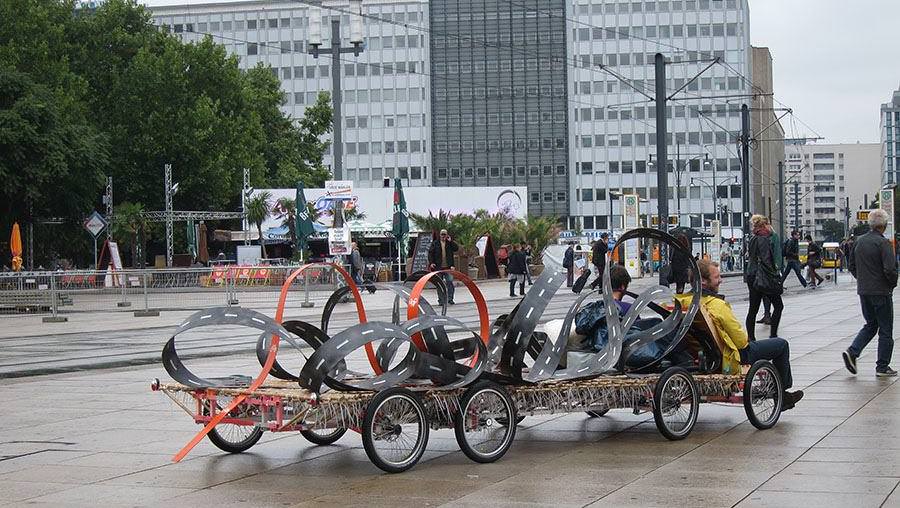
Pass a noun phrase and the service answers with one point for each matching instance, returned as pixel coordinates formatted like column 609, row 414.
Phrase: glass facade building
column 890, row 139
column 499, row 98
column 613, row 125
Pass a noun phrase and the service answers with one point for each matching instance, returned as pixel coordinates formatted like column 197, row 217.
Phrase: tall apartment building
column 499, row 98
column 613, row 125
column 890, row 139
column 385, row 89
column 825, row 177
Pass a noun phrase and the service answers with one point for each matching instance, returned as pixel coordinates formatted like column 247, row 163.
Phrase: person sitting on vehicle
column 739, row 350
column 591, row 333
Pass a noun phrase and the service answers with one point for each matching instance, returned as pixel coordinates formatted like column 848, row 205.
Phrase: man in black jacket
column 791, row 253
column 873, row 264
column 569, row 263
column 598, row 258
column 516, row 271
column 440, row 256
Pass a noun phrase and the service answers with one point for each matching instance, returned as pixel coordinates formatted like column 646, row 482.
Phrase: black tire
column 380, row 426
column 763, row 394
column 674, row 389
column 600, row 413
column 330, row 436
column 485, row 409
column 234, row 438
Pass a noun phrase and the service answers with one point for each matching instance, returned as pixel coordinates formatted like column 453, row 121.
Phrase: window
column 252, row 48
column 251, row 24
column 273, row 23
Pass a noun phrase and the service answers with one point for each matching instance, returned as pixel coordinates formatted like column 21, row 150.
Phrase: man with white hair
column 873, row 264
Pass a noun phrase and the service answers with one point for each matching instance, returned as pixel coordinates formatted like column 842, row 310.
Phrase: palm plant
column 286, row 210
column 257, row 208
column 465, row 229
column 540, row 232
column 354, row 213
column 129, row 222
column 432, row 223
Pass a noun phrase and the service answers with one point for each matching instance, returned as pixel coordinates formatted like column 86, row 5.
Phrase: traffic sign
column 862, row 215
column 95, row 223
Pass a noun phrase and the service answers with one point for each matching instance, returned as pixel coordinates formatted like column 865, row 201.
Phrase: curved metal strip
column 524, row 321
column 234, row 316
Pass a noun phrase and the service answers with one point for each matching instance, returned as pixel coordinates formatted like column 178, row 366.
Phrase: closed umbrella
column 15, row 245
column 203, row 254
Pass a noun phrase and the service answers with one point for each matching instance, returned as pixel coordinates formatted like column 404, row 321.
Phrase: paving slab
column 96, row 436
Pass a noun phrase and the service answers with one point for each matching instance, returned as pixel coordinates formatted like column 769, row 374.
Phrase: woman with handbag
column 763, row 277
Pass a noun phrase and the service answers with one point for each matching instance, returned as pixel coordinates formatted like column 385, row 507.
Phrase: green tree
column 832, row 230
column 257, row 212
column 51, row 156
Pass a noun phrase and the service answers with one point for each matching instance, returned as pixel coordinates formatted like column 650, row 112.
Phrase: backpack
column 568, row 259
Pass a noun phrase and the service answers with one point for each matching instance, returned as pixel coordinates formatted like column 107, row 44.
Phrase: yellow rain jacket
column 728, row 327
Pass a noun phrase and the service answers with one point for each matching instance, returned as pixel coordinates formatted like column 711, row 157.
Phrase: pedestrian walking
column 762, row 276
column 873, row 264
column 680, row 266
column 526, row 248
column 846, row 249
column 598, row 258
column 792, row 258
column 441, row 256
column 516, row 271
column 356, row 264
column 813, row 262
column 569, row 264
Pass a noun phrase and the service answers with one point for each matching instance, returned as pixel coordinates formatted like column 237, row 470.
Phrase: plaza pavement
column 100, row 437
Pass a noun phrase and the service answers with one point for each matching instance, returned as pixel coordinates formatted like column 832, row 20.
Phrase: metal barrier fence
column 150, row 291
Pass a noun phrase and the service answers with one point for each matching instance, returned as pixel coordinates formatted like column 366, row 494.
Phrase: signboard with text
column 631, row 220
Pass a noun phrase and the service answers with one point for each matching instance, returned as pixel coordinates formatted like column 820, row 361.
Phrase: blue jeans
column 448, row 282
column 774, row 349
column 792, row 264
column 878, row 311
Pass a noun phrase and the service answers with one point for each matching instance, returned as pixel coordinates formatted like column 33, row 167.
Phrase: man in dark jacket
column 516, row 271
column 873, row 264
column 792, row 258
column 569, row 264
column 440, row 256
column 598, row 258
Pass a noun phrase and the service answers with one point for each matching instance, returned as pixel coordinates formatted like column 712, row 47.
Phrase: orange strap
column 273, row 350
column 412, row 310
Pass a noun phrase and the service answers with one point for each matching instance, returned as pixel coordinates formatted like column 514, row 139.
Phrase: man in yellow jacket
column 738, row 349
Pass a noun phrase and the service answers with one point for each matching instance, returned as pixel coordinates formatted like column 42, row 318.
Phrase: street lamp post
column 612, row 195
column 356, row 39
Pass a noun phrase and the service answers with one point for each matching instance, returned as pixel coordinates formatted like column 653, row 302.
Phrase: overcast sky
column 836, row 61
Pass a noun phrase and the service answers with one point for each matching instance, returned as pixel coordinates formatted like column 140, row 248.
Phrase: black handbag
column 766, row 283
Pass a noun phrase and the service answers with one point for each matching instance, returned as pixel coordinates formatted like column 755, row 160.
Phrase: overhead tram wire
column 569, row 62
column 382, row 66
column 661, row 44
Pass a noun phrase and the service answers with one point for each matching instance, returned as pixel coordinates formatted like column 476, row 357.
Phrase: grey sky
column 835, row 61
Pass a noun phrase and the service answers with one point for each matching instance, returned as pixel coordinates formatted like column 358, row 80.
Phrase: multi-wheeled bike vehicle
column 431, row 372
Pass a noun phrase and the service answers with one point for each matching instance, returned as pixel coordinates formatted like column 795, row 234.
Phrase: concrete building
column 386, row 88
column 767, row 150
column 823, row 177
column 612, row 124
column 499, row 98
column 890, row 139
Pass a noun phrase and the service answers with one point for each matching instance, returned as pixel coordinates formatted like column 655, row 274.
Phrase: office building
column 767, row 151
column 821, row 178
column 499, row 98
column 613, row 120
column 890, row 140
column 385, row 89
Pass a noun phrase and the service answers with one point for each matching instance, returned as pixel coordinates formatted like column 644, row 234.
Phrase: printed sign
column 887, row 204
column 339, row 241
column 631, row 220
column 715, row 245
column 95, row 223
